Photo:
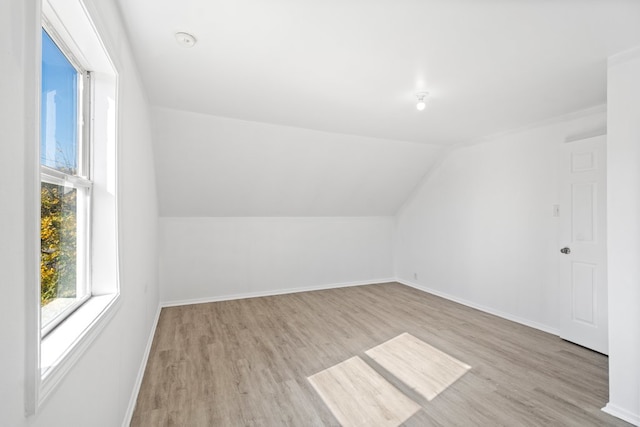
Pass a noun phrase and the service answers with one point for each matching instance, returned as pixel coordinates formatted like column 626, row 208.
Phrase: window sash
column 83, row 189
column 80, row 181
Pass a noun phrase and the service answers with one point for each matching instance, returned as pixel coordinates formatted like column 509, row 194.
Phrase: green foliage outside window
column 58, row 245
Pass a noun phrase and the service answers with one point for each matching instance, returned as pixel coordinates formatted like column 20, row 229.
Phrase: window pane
column 59, row 109
column 58, row 246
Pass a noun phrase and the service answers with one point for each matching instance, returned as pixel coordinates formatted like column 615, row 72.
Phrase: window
column 65, row 185
column 73, row 180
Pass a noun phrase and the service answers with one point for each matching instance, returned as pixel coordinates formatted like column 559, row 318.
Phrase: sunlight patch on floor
column 423, row 368
column 359, row 396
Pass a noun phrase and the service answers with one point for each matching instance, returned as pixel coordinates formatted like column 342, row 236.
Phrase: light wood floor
column 246, row 362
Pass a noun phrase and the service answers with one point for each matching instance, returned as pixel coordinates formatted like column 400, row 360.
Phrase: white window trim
column 69, row 340
column 66, row 344
column 81, row 180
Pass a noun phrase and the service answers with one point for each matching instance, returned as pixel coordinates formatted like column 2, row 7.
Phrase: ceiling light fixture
column 421, row 102
column 185, row 40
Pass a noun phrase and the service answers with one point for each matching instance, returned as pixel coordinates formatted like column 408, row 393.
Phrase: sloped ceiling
column 216, row 167
column 353, row 68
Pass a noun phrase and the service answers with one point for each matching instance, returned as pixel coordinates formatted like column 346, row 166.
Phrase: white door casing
column 583, row 271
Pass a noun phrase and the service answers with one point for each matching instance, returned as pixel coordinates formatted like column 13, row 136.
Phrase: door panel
column 583, row 294
column 583, row 268
column 583, row 210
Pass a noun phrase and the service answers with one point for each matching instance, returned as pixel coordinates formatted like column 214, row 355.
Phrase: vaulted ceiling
column 210, row 166
column 353, row 67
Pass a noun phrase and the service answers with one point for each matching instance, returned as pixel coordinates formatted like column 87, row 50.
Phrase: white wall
column 204, row 259
column 97, row 390
column 480, row 229
column 252, row 208
column 623, row 162
column 13, row 69
column 216, row 167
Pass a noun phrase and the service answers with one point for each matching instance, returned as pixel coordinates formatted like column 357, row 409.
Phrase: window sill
column 56, row 307
column 63, row 346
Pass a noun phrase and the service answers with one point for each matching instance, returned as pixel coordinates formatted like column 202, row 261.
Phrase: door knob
column 565, row 251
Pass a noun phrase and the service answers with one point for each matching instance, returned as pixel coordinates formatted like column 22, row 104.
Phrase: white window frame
column 50, row 358
column 80, row 181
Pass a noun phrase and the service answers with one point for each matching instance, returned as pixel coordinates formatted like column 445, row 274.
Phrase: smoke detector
column 185, row 39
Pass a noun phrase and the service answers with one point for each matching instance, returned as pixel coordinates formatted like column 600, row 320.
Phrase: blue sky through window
column 59, row 109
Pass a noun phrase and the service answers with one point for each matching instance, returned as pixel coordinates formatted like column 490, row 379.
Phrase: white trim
column 507, row 316
column 621, row 413
column 143, row 365
column 624, row 56
column 100, row 310
column 602, row 108
column 502, row 314
column 273, row 292
column 586, row 135
column 32, row 88
column 373, row 218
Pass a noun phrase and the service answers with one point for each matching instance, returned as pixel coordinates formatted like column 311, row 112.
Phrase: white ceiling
column 354, row 66
column 215, row 167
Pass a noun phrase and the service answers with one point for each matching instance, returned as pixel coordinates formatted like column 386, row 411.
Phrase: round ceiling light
column 421, row 100
column 185, row 39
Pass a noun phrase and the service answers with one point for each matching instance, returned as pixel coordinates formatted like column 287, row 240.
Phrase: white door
column 583, row 250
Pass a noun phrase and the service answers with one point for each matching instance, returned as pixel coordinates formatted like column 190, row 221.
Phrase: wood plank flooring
column 425, row 369
column 359, row 396
column 246, row 362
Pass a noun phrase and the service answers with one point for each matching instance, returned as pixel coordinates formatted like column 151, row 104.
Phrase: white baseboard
column 508, row 316
column 623, row 414
column 273, row 292
column 523, row 321
column 143, row 364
